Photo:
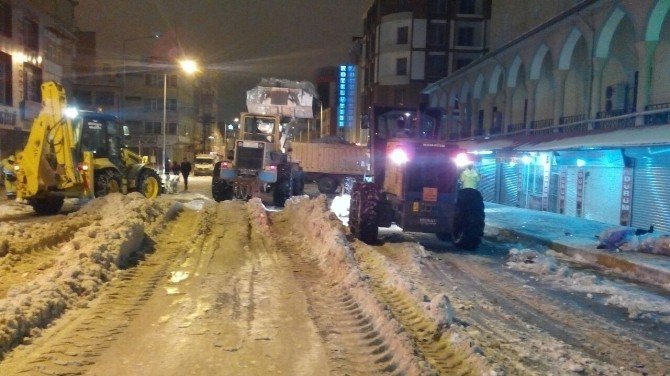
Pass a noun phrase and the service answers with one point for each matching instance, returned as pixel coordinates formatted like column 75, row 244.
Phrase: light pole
column 189, row 67
column 155, row 35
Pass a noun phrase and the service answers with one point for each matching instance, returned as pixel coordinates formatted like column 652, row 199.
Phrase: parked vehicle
column 415, row 183
column 204, row 164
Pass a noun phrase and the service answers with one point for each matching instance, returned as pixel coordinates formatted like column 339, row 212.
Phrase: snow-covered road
column 182, row 285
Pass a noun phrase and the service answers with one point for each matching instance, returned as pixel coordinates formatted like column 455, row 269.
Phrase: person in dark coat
column 185, row 170
column 176, row 168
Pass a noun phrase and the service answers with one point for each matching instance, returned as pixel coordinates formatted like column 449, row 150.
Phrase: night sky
column 245, row 40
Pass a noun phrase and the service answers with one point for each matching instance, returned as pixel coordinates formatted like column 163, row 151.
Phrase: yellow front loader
column 77, row 155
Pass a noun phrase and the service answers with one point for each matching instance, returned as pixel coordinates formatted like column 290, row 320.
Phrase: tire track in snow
column 73, row 343
column 355, row 346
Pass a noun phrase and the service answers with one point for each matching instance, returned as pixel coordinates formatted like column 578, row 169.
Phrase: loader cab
column 259, row 128
column 101, row 134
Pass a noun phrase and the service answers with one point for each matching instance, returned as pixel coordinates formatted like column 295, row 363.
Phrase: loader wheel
column 149, row 184
column 363, row 212
column 283, row 186
column 106, row 182
column 297, row 181
column 468, row 219
column 221, row 190
column 326, row 184
column 46, row 205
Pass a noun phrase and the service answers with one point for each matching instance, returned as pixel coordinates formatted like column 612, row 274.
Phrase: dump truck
column 328, row 164
column 78, row 154
column 415, row 182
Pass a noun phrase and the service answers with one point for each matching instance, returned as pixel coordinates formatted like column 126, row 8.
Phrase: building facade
column 36, row 44
column 572, row 103
column 410, row 43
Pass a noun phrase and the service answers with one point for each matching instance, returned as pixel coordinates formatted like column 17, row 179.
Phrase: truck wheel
column 106, row 182
column 326, row 184
column 149, row 184
column 468, row 219
column 363, row 212
column 283, row 186
column 221, row 190
column 47, row 205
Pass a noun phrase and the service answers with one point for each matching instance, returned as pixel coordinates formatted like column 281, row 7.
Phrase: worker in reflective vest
column 469, row 177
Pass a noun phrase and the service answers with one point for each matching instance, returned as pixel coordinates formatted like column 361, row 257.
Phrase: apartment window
column 466, row 36
column 466, row 6
column 153, row 80
column 5, row 19
column 104, row 98
column 435, row 65
column 403, row 35
column 83, row 97
column 460, row 63
column 437, row 32
column 30, row 33
column 401, row 67
column 5, row 79
column 32, row 82
column 436, row 7
column 172, row 80
column 171, row 104
column 153, row 127
column 151, row 104
column 172, row 128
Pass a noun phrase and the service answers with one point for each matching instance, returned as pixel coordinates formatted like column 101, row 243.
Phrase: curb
column 593, row 257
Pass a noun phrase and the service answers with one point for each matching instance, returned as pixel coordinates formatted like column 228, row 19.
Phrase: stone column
column 559, row 93
column 507, row 111
column 474, row 115
column 645, row 57
column 531, row 85
column 598, row 65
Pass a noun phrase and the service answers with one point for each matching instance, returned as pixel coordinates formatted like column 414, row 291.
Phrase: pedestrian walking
column 176, row 168
column 469, row 178
column 10, row 177
column 185, row 168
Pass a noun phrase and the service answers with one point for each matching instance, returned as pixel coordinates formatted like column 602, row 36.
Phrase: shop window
column 5, row 79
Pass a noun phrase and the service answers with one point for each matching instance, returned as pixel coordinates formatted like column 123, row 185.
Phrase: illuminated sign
column 346, row 96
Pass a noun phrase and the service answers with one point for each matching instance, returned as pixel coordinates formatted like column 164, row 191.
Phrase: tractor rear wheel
column 149, row 183
column 326, row 184
column 221, row 190
column 363, row 212
column 106, row 182
column 284, row 185
column 468, row 219
column 297, row 180
column 46, row 205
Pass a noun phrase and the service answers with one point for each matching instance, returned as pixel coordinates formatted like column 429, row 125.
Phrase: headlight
column 399, row 156
column 462, row 160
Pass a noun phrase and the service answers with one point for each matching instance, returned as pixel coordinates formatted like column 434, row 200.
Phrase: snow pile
column 312, row 219
column 117, row 226
column 637, row 302
column 626, row 239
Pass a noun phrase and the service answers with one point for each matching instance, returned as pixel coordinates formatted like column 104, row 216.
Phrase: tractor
column 415, row 182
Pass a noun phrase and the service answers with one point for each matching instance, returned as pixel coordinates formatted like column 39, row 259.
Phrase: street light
column 189, row 67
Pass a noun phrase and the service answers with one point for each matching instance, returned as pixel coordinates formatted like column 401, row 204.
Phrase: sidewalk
column 576, row 237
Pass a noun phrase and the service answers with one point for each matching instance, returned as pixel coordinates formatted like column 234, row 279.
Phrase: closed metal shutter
column 509, row 189
column 651, row 189
column 487, row 185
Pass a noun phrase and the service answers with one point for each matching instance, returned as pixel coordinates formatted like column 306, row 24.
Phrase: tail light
column 82, row 167
column 225, row 164
column 271, row 168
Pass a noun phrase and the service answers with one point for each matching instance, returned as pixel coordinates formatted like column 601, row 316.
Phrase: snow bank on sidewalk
column 637, row 302
column 118, row 225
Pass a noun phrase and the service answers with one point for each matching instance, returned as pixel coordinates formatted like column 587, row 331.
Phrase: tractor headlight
column 399, row 156
column 462, row 160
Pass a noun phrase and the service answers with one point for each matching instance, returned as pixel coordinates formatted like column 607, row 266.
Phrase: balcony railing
column 581, row 127
column 543, row 126
column 515, row 128
column 615, row 120
column 658, row 118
